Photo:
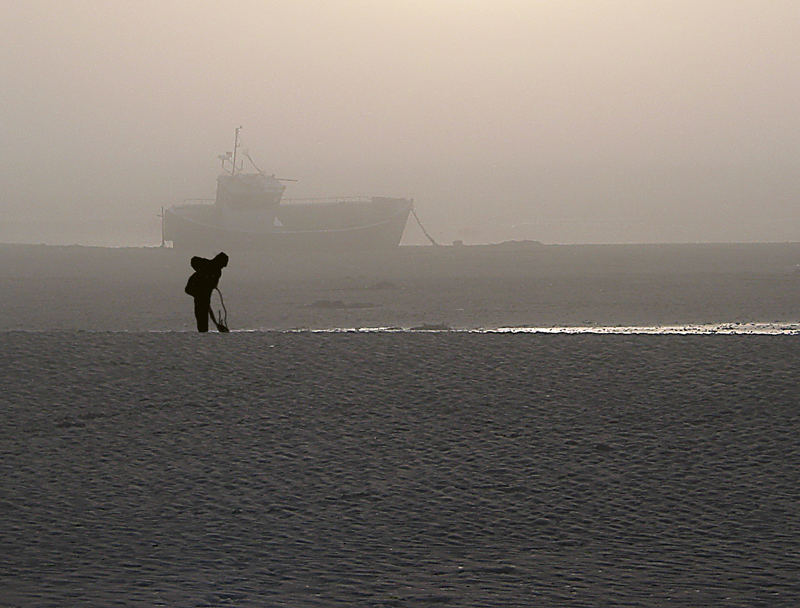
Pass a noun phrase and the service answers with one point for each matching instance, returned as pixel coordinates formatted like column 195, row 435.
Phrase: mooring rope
column 425, row 232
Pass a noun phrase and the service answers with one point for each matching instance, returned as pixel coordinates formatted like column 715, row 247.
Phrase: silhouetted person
column 200, row 285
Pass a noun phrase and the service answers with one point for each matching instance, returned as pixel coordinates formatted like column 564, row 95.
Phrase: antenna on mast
column 235, row 147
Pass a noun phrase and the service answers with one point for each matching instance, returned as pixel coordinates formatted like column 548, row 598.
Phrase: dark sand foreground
column 451, row 469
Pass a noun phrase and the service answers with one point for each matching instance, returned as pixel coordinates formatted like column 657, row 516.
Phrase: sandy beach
column 300, row 469
column 146, row 465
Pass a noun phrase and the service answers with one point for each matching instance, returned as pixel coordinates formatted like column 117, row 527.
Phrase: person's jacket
column 206, row 275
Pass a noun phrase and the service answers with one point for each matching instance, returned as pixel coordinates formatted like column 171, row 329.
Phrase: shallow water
column 399, row 469
column 736, row 329
column 463, row 288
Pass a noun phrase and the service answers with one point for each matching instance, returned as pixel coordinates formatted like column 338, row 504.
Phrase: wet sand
column 273, row 469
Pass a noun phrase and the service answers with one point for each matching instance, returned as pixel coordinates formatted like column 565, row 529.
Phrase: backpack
column 193, row 285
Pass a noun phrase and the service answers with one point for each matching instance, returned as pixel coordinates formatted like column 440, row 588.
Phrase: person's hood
column 199, row 264
column 205, row 265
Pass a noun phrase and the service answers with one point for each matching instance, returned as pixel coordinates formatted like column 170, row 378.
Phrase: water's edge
column 742, row 329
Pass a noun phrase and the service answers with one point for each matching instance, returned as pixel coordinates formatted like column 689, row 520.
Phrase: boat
column 250, row 213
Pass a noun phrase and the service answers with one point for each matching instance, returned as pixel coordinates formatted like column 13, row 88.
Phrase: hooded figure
column 200, row 285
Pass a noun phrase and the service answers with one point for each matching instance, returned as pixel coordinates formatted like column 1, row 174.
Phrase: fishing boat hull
column 376, row 223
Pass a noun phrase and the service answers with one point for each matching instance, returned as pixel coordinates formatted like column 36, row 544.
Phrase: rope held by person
column 221, row 321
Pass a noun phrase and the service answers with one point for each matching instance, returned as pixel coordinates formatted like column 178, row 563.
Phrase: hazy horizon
column 565, row 122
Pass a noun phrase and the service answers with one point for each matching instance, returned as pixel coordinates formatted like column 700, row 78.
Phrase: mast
column 235, row 147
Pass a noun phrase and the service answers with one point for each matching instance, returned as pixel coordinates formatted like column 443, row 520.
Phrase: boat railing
column 292, row 201
column 326, row 199
column 191, row 201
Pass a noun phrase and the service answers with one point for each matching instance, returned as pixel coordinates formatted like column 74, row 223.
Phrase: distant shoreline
column 513, row 244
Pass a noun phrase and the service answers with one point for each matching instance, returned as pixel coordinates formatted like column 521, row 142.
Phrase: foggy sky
column 561, row 121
